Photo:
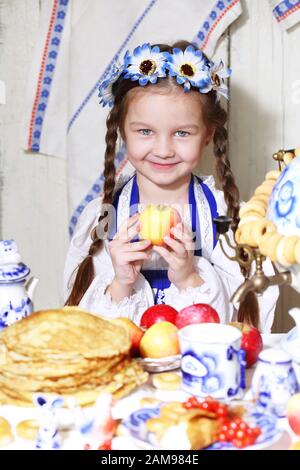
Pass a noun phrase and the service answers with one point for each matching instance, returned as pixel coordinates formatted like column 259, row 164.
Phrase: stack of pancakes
column 66, row 352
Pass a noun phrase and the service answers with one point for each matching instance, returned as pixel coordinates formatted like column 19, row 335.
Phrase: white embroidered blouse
column 221, row 276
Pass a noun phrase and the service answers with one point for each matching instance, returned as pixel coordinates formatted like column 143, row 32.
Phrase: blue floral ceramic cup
column 274, row 381
column 213, row 362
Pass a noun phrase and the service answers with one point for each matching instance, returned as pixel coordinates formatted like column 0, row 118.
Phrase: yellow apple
column 135, row 333
column 160, row 340
column 157, row 221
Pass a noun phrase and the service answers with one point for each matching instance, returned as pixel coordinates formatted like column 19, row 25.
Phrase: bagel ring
column 28, row 429
column 264, row 189
column 271, row 249
column 273, row 175
column 252, row 206
column 6, row 436
column 281, row 258
column 167, row 381
column 149, row 401
column 262, row 199
column 238, row 235
column 249, row 217
column 289, row 246
column 246, row 234
column 264, row 243
column 261, row 227
column 297, row 252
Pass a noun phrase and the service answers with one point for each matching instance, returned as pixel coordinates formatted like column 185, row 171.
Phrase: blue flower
column 61, row 15
column 38, row 121
column 42, row 107
column 217, row 75
column 146, row 64
column 189, row 68
column 58, row 28
column 50, row 68
column 53, row 54
column 55, row 41
column 96, row 188
column 105, row 88
column 47, row 80
column 45, row 94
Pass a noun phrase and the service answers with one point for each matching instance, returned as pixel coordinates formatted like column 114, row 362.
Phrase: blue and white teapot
column 15, row 292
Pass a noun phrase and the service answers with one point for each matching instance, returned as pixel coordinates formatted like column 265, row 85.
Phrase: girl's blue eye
column 183, row 132
column 144, row 131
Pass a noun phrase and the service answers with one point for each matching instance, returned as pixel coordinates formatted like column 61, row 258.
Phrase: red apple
column 158, row 313
column 293, row 413
column 157, row 221
column 196, row 313
column 251, row 341
column 160, row 340
column 135, row 333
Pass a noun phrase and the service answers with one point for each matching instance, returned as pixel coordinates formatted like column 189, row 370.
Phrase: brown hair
column 214, row 117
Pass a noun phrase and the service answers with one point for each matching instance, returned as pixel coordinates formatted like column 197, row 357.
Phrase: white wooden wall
column 264, row 111
column 264, row 116
column 33, row 187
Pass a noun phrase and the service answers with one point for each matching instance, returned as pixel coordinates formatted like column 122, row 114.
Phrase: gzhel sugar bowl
column 15, row 292
column 274, row 381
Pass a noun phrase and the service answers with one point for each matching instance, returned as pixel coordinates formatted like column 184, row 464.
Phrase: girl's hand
column 179, row 254
column 127, row 258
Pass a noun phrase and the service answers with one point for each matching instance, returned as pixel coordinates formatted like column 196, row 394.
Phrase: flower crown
column 147, row 64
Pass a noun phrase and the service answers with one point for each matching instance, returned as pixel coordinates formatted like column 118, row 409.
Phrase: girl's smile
column 163, row 166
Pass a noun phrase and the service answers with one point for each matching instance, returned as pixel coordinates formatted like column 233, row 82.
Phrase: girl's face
column 165, row 134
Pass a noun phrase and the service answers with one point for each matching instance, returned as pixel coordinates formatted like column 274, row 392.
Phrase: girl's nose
column 163, row 148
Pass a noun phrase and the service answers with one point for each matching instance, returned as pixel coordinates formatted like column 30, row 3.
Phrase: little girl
column 166, row 108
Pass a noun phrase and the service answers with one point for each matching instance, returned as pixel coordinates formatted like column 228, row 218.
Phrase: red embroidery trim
column 288, row 13
column 216, row 23
column 41, row 73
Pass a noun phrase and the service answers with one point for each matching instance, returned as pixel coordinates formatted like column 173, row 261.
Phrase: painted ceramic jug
column 15, row 291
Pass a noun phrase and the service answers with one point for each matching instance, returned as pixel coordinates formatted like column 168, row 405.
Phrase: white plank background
column 264, row 116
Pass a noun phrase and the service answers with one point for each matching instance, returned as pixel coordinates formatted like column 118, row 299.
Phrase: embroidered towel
column 286, row 12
